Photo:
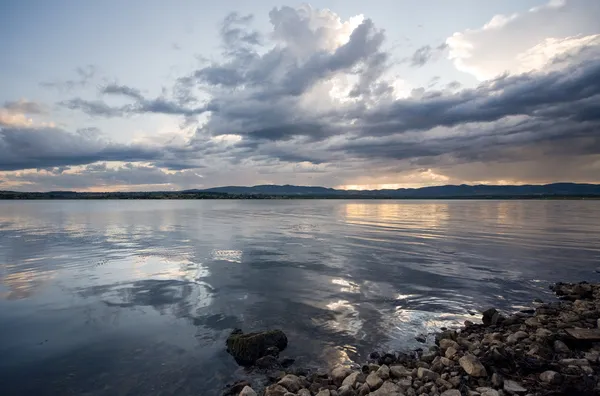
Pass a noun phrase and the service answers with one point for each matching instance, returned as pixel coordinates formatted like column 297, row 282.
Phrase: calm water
column 137, row 297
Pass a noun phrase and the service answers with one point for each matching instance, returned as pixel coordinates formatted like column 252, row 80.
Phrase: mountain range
column 556, row 190
column 463, row 190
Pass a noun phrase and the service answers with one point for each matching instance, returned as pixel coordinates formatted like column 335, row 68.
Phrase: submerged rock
column 246, row 349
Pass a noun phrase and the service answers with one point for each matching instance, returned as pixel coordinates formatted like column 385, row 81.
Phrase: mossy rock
column 248, row 348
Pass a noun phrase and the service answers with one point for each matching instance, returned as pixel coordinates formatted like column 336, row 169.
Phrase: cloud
column 426, row 54
column 524, row 42
column 43, row 147
column 16, row 113
column 315, row 100
column 85, row 75
column 25, row 106
column 104, row 177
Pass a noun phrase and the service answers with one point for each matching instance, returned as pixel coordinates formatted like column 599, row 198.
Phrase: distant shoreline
column 8, row 196
column 547, row 191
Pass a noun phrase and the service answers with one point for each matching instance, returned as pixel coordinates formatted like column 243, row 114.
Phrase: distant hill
column 463, row 190
column 548, row 191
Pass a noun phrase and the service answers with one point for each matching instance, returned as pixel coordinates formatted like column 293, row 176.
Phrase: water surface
column 137, row 297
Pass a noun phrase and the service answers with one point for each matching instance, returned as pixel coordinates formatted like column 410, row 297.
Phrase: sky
column 155, row 95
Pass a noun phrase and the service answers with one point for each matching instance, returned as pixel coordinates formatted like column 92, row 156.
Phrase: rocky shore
column 550, row 349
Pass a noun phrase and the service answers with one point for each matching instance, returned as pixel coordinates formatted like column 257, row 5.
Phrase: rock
column 472, row 366
column 405, row 383
column 513, row 387
column 516, row 337
column 351, row 379
column 488, row 392
column 447, row 343
column 247, row 391
column 491, row 317
column 246, row 349
column 364, row 390
column 374, row 381
column 452, row 392
column 346, row 390
column 497, row 380
column 574, row 362
column 387, row 359
column 387, row 389
column 446, row 362
column 422, row 339
column 551, row 377
column 291, row 383
column 450, row 352
column 446, row 335
column 532, row 322
column 304, row 392
column 427, row 374
column 561, row 347
column 429, row 356
column 324, row 392
column 290, row 394
column 275, row 390
column 340, row 373
column 267, row 362
column 286, row 361
column 383, row 372
column 399, row 372
column 468, row 323
column 237, row 387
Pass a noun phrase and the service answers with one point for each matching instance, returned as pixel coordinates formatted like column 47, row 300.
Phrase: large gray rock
column 351, row 379
column 246, row 349
column 247, row 391
column 374, row 381
column 472, row 366
column 383, row 372
column 387, row 389
column 339, row 374
column 304, row 392
column 291, row 383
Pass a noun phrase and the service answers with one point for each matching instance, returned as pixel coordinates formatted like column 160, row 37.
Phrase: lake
column 138, row 297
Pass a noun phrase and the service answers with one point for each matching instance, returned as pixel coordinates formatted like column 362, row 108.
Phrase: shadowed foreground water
column 137, row 297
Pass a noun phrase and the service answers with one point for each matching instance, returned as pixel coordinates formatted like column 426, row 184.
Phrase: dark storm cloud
column 31, row 148
column 275, row 97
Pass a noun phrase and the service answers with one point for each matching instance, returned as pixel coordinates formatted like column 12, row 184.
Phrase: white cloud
column 525, row 42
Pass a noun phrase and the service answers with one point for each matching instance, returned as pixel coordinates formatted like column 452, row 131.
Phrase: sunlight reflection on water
column 159, row 285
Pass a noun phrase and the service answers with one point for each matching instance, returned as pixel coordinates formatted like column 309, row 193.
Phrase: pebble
column 452, row 392
column 427, row 374
column 561, row 347
column 513, row 387
column 383, row 372
column 472, row 366
column 551, row 377
column 374, row 381
column 247, row 391
column 351, row 379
